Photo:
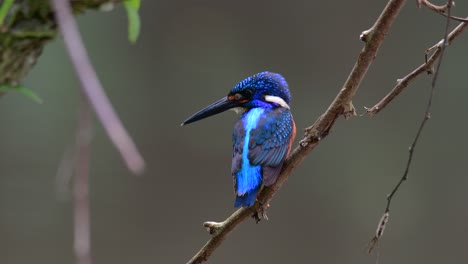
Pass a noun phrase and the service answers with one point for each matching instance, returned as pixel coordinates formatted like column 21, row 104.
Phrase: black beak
column 213, row 109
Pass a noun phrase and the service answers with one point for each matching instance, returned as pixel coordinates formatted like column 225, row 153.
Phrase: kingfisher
column 263, row 134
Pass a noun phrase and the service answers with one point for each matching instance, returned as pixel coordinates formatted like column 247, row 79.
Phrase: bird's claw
column 260, row 213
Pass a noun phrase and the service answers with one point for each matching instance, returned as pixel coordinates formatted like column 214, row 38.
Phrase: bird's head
column 265, row 89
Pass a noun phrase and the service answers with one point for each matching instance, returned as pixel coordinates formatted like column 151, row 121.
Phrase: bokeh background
column 191, row 53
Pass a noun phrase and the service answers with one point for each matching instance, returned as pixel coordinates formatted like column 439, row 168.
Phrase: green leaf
column 30, row 93
column 132, row 7
column 4, row 9
column 134, row 3
column 22, row 90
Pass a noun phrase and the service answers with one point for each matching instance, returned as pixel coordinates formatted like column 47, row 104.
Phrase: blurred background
column 189, row 54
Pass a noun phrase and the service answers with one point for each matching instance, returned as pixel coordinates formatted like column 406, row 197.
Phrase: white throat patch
column 276, row 99
column 238, row 110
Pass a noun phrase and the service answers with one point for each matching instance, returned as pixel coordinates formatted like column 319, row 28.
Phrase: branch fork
column 349, row 110
column 440, row 9
column 426, row 67
column 437, row 8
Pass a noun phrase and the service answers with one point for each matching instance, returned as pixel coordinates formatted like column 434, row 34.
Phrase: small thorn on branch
column 213, row 227
column 366, row 35
column 349, row 110
column 303, row 143
column 312, row 134
column 371, row 111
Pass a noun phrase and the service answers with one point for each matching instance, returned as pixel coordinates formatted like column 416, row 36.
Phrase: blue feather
column 249, row 177
column 247, row 199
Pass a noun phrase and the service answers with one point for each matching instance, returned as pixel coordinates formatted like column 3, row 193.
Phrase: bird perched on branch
column 262, row 136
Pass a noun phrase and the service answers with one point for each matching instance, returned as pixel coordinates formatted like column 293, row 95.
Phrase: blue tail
column 246, row 200
column 248, row 182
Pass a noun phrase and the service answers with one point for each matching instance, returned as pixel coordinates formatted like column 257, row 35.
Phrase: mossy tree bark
column 27, row 27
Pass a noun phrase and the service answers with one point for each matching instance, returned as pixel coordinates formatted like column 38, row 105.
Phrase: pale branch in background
column 92, row 95
column 92, row 88
column 427, row 114
column 341, row 105
column 81, row 203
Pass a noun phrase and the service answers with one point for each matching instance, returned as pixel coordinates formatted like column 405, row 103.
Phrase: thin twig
column 427, row 115
column 440, row 10
column 437, row 8
column 341, row 105
column 82, row 229
column 92, row 88
column 425, row 67
column 459, row 19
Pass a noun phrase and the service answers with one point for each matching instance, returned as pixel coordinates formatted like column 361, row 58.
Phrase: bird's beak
column 213, row 109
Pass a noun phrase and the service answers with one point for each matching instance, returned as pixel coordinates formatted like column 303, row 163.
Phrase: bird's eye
column 242, row 96
column 247, row 93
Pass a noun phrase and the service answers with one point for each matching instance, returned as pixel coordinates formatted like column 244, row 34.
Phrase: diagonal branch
column 341, row 105
column 92, row 88
column 425, row 67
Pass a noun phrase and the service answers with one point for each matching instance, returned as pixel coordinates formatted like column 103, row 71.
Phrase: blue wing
column 270, row 142
column 247, row 178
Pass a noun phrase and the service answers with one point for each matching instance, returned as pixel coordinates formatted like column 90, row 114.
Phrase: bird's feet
column 260, row 213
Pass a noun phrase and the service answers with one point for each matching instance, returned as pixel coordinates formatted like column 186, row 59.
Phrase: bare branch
column 427, row 115
column 437, row 8
column 341, row 105
column 425, row 67
column 82, row 229
column 440, row 9
column 92, row 88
